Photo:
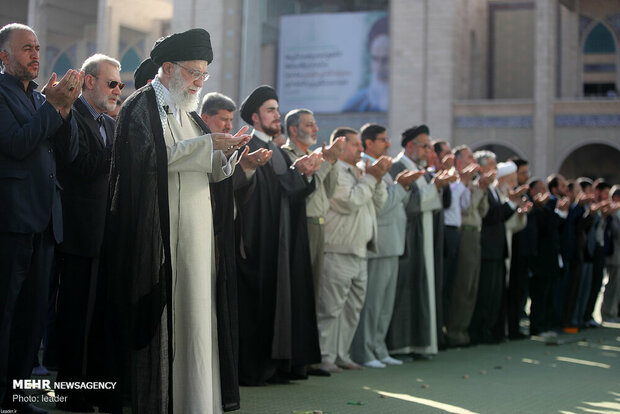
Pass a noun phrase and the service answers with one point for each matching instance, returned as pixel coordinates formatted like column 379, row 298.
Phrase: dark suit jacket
column 85, row 183
column 549, row 226
column 493, row 233
column 31, row 138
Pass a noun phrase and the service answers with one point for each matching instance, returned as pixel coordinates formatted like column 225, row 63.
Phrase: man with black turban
column 413, row 329
column 160, row 255
column 277, row 323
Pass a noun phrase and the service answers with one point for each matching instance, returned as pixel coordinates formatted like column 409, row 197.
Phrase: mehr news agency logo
column 47, row 385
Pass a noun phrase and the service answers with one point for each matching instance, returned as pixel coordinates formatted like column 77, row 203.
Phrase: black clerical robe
column 277, row 320
column 132, row 332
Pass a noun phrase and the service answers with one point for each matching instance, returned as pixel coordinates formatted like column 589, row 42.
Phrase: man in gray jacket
column 369, row 346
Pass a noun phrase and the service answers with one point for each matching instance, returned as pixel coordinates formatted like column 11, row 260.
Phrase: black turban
column 411, row 133
column 147, row 70
column 255, row 100
column 194, row 44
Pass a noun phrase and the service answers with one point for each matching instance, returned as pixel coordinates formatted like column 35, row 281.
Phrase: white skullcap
column 506, row 168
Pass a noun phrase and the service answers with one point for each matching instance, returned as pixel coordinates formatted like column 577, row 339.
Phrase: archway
column 594, row 161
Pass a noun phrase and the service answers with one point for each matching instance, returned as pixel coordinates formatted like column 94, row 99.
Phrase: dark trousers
column 541, row 292
column 452, row 242
column 561, row 293
column 598, row 268
column 75, row 307
column 488, row 303
column 25, row 266
column 572, row 295
column 517, row 291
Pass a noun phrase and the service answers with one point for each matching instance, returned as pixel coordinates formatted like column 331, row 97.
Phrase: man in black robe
column 134, row 312
column 277, row 322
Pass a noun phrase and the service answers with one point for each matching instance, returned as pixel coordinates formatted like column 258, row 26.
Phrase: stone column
column 189, row 14
column 251, row 42
column 37, row 19
column 108, row 28
column 421, row 66
column 544, row 86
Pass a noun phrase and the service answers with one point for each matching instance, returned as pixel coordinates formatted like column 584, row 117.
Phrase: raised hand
column 541, row 199
column 486, row 179
column 333, row 151
column 516, row 194
column 467, row 174
column 379, row 168
column 251, row 161
column 406, row 178
column 563, row 204
column 228, row 143
column 62, row 94
column 447, row 162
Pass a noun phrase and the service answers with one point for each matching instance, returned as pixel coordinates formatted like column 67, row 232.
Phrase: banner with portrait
column 333, row 63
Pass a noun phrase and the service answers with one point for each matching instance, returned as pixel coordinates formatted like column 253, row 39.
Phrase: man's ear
column 168, row 68
column 89, row 81
column 255, row 118
column 5, row 57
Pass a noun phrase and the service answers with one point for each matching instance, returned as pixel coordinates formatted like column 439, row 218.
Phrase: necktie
column 101, row 128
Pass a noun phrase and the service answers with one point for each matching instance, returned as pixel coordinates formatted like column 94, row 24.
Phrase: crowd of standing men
column 191, row 261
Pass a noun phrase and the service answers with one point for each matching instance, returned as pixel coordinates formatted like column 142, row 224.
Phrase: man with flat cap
column 413, row 329
column 277, row 322
column 160, row 258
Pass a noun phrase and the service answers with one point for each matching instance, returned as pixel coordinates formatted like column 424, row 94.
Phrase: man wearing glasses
column 159, row 254
column 84, row 199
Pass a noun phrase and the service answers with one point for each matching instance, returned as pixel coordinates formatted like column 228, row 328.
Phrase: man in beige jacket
column 350, row 231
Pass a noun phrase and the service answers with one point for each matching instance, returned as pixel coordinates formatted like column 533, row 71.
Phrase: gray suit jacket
column 391, row 221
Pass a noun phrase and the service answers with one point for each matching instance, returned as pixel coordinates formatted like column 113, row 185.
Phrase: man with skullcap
column 161, row 261
column 277, row 323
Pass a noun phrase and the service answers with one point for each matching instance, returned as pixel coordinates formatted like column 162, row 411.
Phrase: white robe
column 196, row 379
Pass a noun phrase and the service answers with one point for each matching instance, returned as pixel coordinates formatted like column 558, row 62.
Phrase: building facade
column 538, row 79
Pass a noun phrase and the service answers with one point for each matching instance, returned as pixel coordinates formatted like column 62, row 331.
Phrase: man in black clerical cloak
column 132, row 337
column 277, row 322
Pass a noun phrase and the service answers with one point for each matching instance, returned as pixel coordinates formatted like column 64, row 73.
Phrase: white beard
column 184, row 100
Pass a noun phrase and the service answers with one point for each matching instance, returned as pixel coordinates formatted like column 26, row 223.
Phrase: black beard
column 271, row 131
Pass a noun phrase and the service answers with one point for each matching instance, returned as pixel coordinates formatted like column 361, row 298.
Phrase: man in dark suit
column 85, row 183
column 35, row 130
column 494, row 251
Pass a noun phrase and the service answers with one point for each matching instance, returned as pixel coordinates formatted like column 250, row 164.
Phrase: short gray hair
column 91, row 65
column 213, row 102
column 6, row 31
column 293, row 117
column 483, row 155
column 457, row 151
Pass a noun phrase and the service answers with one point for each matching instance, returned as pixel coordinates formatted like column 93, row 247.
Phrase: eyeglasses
column 424, row 145
column 114, row 84
column 386, row 140
column 196, row 74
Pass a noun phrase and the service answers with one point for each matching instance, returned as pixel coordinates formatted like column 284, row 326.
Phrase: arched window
column 130, row 61
column 599, row 63
column 62, row 65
